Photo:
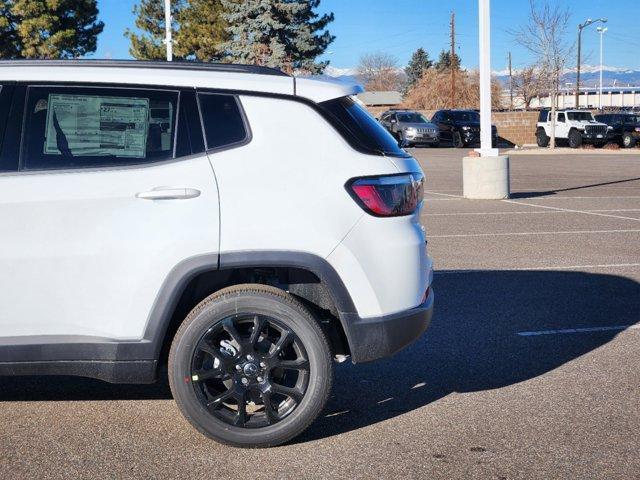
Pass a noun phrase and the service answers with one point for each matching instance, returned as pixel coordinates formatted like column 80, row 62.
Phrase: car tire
column 457, row 140
column 542, row 139
column 575, row 139
column 250, row 367
column 628, row 140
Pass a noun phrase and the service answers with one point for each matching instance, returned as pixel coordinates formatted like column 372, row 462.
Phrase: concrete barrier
column 485, row 178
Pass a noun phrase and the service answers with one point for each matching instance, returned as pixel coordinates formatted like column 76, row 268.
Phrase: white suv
column 238, row 224
column 574, row 126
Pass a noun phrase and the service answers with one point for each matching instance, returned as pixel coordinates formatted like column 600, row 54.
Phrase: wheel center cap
column 250, row 369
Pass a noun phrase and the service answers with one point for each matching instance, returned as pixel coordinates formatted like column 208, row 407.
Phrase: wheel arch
column 309, row 277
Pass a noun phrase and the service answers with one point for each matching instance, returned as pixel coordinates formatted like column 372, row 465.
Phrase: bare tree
column 379, row 72
column 526, row 84
column 545, row 37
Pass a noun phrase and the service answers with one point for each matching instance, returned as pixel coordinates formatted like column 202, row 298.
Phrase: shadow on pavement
column 472, row 345
column 473, row 342
column 553, row 192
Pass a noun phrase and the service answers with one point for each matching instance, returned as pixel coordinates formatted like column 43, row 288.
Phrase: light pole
column 580, row 27
column 485, row 173
column 167, row 28
column 486, row 148
column 601, row 31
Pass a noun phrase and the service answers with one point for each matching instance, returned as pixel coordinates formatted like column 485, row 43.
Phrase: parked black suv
column 626, row 127
column 461, row 127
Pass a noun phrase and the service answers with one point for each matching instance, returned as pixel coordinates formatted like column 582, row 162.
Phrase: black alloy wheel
column 250, row 366
column 250, row 371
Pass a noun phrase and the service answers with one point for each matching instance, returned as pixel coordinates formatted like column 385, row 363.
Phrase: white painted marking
column 529, row 212
column 538, row 268
column 543, row 197
column 573, row 211
column 444, row 194
column 507, row 234
column 564, row 331
column 563, row 197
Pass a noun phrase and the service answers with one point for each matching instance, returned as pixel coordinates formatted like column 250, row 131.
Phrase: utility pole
column 167, row 28
column 601, row 31
column 580, row 27
column 452, row 59
column 510, row 81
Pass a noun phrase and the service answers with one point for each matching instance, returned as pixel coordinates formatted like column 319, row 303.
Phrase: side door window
column 78, row 127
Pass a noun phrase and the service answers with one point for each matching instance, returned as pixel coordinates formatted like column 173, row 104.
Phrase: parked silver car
column 410, row 128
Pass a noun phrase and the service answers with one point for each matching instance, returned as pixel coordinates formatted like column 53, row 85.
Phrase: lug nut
column 238, row 367
column 244, row 381
column 259, row 379
column 262, row 364
column 249, row 357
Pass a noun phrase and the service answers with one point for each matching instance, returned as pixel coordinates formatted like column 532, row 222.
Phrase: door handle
column 169, row 194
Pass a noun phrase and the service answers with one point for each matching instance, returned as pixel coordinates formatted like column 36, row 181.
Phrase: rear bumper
column 375, row 338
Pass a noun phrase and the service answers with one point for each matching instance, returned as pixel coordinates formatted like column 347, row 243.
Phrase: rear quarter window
column 544, row 116
column 360, row 128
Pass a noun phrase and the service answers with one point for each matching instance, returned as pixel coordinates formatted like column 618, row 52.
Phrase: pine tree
column 46, row 29
column 150, row 21
column 444, row 61
column 419, row 62
column 286, row 34
column 203, row 29
column 199, row 29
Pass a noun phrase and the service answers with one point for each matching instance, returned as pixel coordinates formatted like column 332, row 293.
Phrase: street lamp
column 580, row 27
column 601, row 31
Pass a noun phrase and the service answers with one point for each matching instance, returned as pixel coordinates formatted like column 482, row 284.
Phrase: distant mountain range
column 589, row 76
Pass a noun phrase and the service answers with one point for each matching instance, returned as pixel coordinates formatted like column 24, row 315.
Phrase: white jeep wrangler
column 241, row 226
column 574, row 126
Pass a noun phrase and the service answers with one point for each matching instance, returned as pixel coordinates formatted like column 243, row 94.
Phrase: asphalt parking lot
column 530, row 368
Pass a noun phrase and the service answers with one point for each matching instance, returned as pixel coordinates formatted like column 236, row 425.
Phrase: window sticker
column 84, row 125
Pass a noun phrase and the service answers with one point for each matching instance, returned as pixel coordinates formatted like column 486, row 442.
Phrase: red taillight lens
column 388, row 195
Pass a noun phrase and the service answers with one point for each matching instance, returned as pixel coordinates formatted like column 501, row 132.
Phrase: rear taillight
column 388, row 195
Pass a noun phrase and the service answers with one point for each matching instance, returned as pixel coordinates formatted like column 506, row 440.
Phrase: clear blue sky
column 399, row 27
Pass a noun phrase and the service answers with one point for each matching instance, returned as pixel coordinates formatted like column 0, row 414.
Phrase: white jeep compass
column 242, row 226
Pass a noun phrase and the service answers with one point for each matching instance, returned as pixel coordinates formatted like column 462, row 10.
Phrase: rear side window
column 354, row 120
column 76, row 127
column 543, row 116
column 223, row 120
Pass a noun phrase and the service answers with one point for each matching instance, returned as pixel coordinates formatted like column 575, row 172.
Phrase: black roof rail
column 176, row 65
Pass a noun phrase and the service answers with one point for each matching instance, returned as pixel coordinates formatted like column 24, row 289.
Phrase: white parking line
column 585, row 212
column 507, row 234
column 527, row 212
column 538, row 268
column 445, row 194
column 564, row 331
column 566, row 197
